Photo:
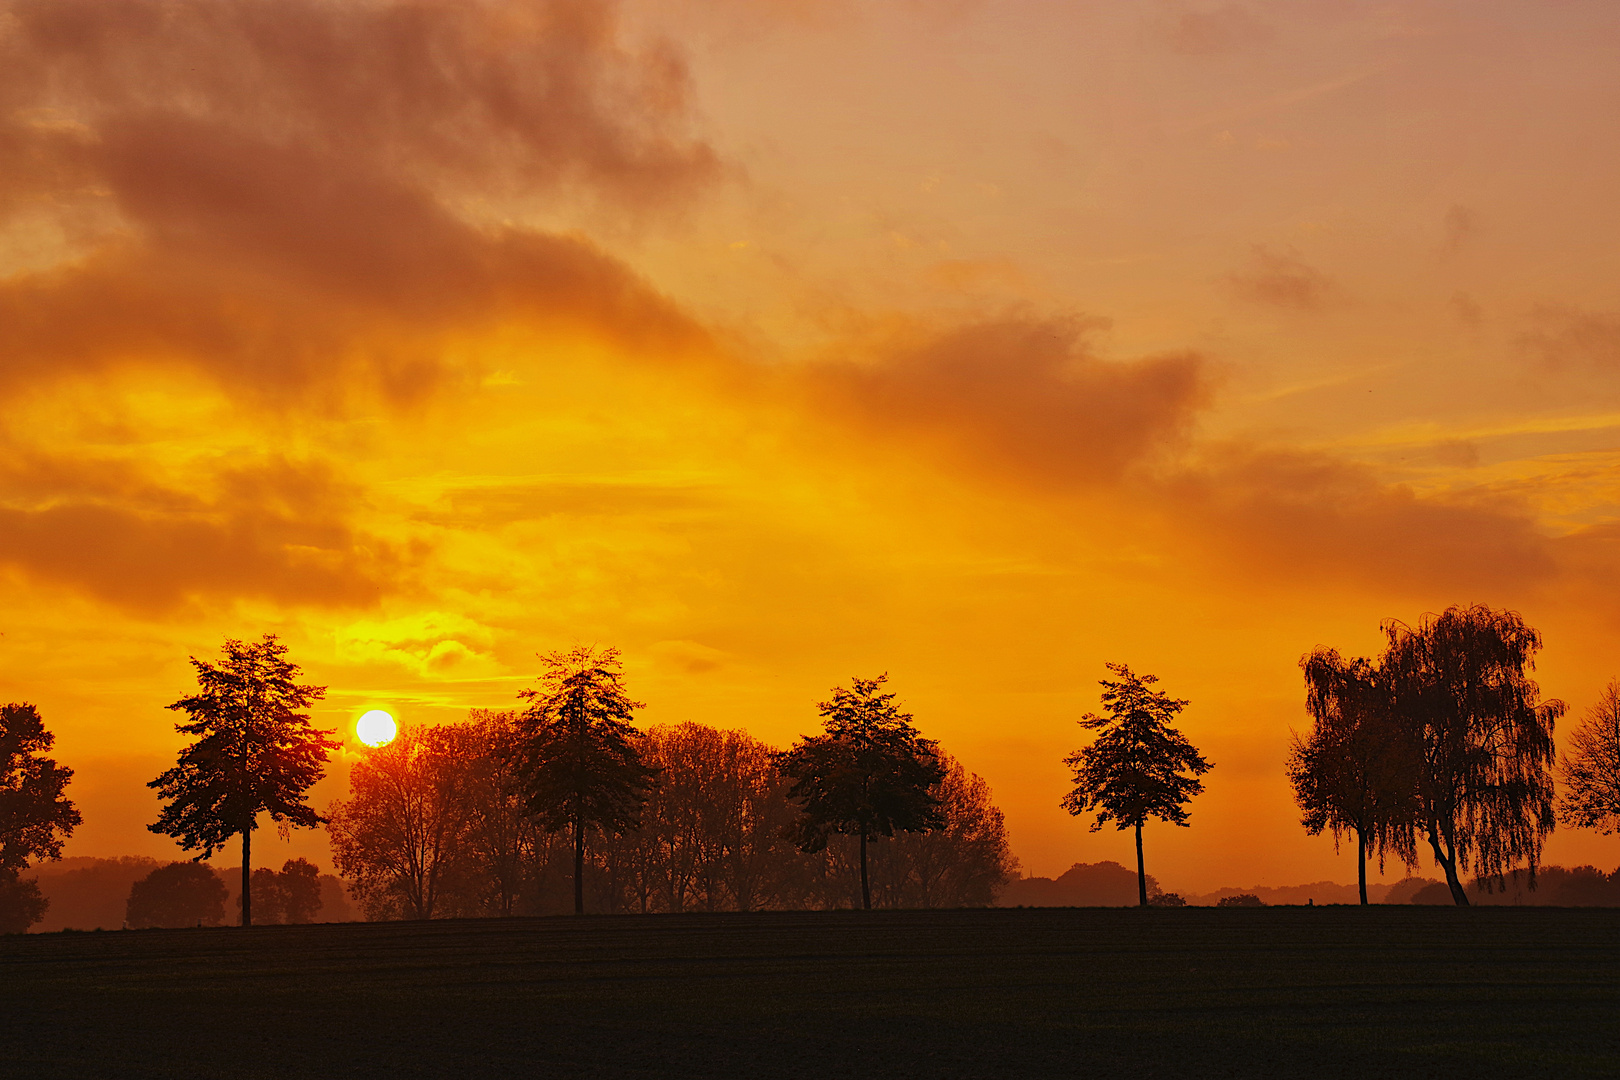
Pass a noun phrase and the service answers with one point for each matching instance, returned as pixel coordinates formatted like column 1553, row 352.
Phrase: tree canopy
column 255, row 751
column 575, row 750
column 1460, row 685
column 1355, row 772
column 869, row 774
column 1591, row 767
column 1139, row 766
column 180, row 894
column 35, row 815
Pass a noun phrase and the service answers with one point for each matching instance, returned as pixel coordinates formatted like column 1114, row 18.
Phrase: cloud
column 289, row 180
column 277, row 530
column 1566, row 338
column 1307, row 515
column 1216, row 31
column 1282, row 281
column 1024, row 395
column 1461, row 225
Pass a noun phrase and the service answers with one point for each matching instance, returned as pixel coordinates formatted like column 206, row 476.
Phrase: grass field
column 1308, row 992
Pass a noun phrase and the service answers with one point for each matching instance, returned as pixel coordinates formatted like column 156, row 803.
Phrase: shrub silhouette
column 1240, row 900
column 180, row 894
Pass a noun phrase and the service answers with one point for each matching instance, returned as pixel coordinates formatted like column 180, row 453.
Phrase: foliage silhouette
column 1459, row 685
column 1355, row 772
column 398, row 836
column 35, row 815
column 575, row 752
column 255, row 752
column 1240, row 900
column 291, row 895
column 180, row 894
column 1591, row 767
column 871, row 774
column 1139, row 766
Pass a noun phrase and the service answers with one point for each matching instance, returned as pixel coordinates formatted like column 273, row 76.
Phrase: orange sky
column 976, row 342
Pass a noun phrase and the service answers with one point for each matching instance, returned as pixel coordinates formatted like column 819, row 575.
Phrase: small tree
column 35, row 815
column 1355, row 773
column 871, row 774
column 300, row 886
column 1591, row 768
column 255, row 752
column 180, row 894
column 1139, row 766
column 1461, row 687
column 574, row 751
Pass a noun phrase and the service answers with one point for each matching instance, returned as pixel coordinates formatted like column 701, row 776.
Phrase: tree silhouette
column 180, row 894
column 1484, row 781
column 35, row 815
column 1138, row 766
column 399, row 836
column 1591, row 767
column 1355, row 773
column 255, row 752
column 575, row 751
column 871, row 774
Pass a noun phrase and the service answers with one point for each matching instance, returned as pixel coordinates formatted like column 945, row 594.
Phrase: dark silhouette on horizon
column 1591, row 767
column 180, row 894
column 1443, row 739
column 870, row 774
column 255, row 752
column 1139, row 766
column 575, row 751
column 35, row 815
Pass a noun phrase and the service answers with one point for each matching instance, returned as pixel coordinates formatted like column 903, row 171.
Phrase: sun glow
column 376, row 728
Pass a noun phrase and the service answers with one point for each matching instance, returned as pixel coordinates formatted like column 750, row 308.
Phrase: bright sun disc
column 376, row 728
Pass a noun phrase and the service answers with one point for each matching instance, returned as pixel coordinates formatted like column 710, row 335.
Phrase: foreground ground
column 1319, row 992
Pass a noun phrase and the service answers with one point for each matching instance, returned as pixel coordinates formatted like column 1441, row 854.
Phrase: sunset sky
column 979, row 342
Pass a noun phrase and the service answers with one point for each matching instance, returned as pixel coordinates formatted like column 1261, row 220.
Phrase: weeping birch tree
column 1461, row 688
column 1355, row 773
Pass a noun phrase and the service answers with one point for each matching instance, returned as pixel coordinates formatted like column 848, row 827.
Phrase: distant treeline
column 436, row 827
column 1108, row 884
column 93, row 894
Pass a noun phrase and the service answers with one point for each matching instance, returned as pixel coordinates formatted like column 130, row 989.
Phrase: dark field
column 1318, row 992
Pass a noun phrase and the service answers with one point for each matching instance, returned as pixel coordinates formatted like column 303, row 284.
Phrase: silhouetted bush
column 21, row 904
column 1166, row 899
column 1240, row 900
column 180, row 894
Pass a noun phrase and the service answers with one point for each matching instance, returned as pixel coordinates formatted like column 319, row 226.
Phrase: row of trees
column 1444, row 741
column 437, row 825
column 480, row 817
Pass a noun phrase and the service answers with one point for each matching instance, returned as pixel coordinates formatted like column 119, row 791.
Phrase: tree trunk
column 579, row 866
column 1448, row 863
column 866, row 888
column 1361, row 864
column 247, row 876
column 1141, row 871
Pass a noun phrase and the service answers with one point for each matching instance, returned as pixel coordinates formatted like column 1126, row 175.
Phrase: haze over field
column 977, row 342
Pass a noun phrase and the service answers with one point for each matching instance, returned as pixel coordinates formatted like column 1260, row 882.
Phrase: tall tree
column 1460, row 684
column 575, row 751
column 1139, row 766
column 870, row 774
column 1591, row 767
column 255, row 751
column 35, row 815
column 1354, row 773
column 401, row 835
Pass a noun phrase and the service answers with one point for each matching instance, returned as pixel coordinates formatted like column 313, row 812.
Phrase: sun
column 376, row 728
